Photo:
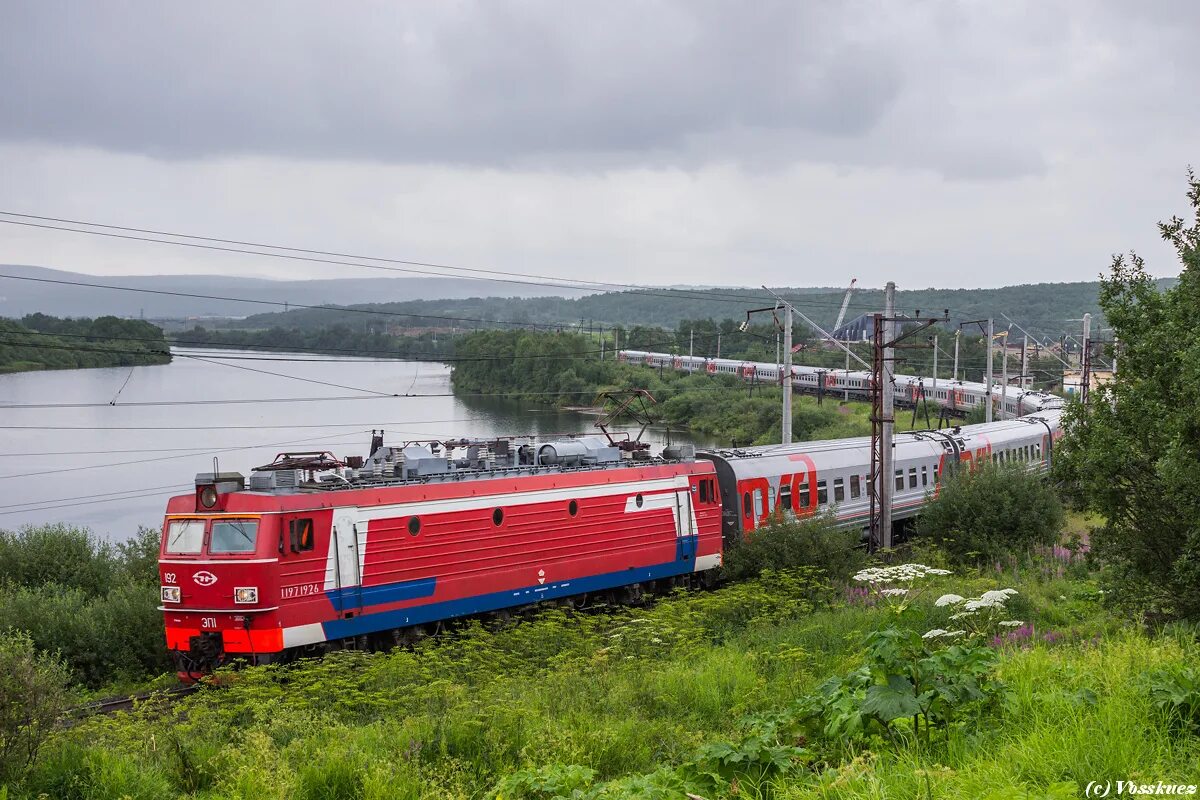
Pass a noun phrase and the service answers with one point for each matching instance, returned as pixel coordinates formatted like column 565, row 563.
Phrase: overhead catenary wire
column 402, row 265
column 199, row 452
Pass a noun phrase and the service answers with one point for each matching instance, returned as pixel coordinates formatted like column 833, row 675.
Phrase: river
column 111, row 468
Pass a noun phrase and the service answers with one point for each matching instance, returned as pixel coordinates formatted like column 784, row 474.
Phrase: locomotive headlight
column 208, row 496
column 170, row 594
column 245, row 594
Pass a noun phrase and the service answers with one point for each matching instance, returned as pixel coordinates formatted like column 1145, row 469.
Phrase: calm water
column 112, row 468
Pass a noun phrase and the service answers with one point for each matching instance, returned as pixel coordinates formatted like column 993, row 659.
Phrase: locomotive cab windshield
column 218, row 537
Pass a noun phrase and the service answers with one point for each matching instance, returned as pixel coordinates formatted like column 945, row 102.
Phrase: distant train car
column 908, row 390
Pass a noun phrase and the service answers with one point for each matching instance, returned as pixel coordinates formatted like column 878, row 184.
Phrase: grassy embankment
column 565, row 370
column 39, row 342
column 691, row 694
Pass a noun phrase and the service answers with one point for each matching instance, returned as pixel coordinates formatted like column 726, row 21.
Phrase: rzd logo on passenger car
column 204, row 578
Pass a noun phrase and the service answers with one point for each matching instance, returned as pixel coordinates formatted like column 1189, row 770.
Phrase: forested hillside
column 1046, row 309
column 42, row 342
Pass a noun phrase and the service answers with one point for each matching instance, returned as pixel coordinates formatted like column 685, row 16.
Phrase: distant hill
column 21, row 297
column 1046, row 309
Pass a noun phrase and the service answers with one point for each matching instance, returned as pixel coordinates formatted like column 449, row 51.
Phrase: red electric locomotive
column 316, row 552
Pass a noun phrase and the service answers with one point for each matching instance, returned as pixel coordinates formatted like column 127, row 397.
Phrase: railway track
column 112, row 705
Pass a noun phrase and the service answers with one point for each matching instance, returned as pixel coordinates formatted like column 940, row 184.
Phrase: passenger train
column 955, row 395
column 314, row 552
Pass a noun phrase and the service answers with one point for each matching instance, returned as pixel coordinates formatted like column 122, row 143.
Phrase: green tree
column 33, row 695
column 1132, row 454
column 994, row 511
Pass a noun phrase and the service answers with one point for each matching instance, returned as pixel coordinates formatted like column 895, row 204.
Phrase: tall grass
column 610, row 702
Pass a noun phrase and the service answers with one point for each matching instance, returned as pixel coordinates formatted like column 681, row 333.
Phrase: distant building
column 1073, row 380
column 859, row 329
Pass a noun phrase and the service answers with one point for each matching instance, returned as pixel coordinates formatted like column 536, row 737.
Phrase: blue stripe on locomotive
column 448, row 609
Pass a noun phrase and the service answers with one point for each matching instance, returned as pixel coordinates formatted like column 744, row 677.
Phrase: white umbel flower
column 893, row 592
column 935, row 633
column 949, row 599
column 901, row 573
column 1011, row 623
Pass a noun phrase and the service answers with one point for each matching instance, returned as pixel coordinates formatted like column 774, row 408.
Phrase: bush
column 61, row 554
column 93, row 603
column 33, row 695
column 114, row 637
column 990, row 512
column 813, row 542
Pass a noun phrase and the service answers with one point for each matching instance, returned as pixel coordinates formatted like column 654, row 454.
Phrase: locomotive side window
column 414, row 526
column 747, row 509
column 703, row 491
column 498, row 514
column 233, row 536
column 185, row 536
column 300, row 533
column 573, row 508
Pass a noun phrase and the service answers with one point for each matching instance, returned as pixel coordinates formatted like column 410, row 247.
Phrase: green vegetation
column 782, row 686
column 1132, row 455
column 565, row 369
column 334, row 340
column 992, row 512
column 42, row 342
column 1040, row 307
column 34, row 692
column 93, row 603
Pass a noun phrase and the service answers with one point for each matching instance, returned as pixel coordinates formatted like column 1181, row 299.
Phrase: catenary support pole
column 1024, row 362
column 888, row 428
column 845, row 384
column 935, row 349
column 957, row 338
column 786, row 375
column 988, row 417
column 1004, row 378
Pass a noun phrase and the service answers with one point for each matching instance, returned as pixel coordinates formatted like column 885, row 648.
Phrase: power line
column 171, row 458
column 88, row 502
column 231, row 427
column 221, row 245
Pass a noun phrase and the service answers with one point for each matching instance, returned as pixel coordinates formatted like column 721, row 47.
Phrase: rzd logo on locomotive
column 204, row 578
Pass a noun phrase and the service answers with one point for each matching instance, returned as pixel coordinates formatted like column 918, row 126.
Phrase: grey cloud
column 471, row 83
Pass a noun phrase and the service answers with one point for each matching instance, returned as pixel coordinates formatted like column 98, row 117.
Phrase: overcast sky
column 803, row 143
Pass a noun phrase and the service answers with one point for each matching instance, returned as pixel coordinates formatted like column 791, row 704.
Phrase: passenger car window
column 839, row 490
column 802, row 495
column 912, row 477
column 855, row 488
column 233, row 536
column 185, row 536
column 822, row 494
column 899, row 480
